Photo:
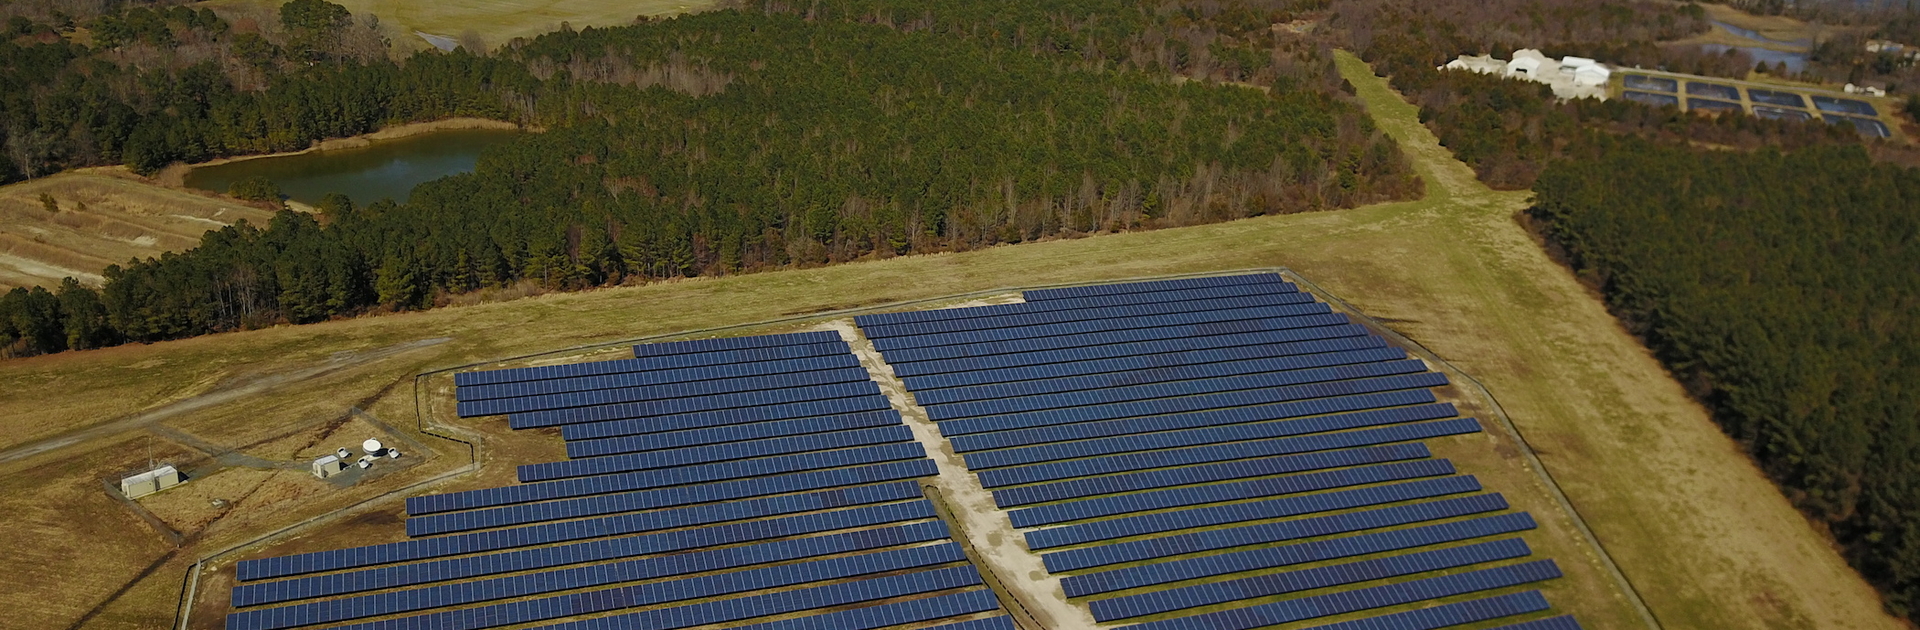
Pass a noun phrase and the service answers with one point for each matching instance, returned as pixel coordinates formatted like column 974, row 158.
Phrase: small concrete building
column 150, row 482
column 1591, row 75
column 1529, row 62
column 328, row 466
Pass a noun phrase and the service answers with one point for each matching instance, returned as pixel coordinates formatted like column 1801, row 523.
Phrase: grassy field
column 101, row 220
column 1705, row 539
column 495, row 21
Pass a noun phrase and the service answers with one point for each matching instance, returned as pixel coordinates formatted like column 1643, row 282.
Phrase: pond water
column 386, row 169
column 1755, row 35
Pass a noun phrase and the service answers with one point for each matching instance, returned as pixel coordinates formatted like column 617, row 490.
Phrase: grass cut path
column 1703, row 536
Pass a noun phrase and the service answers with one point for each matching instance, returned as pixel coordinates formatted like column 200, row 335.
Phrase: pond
column 385, row 169
column 1796, row 61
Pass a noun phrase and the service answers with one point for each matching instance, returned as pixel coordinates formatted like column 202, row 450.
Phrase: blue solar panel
column 1563, row 622
column 590, row 551
column 1298, row 553
column 1232, row 491
column 1133, row 482
column 1265, row 533
column 733, row 343
column 694, row 588
column 1241, row 512
column 1148, row 287
column 625, row 411
column 1275, row 420
column 1145, row 375
column 1157, row 441
column 1366, row 377
column 1168, row 456
column 1448, row 615
column 782, row 602
column 902, row 613
column 975, row 371
column 730, row 433
column 664, row 392
column 1361, row 599
column 715, row 453
column 1100, row 301
column 444, row 595
column 653, row 377
column 596, row 368
column 1306, row 579
column 1198, row 403
column 813, row 408
column 639, row 480
column 707, row 514
column 1118, row 343
column 890, row 344
column 1042, row 318
column 667, row 497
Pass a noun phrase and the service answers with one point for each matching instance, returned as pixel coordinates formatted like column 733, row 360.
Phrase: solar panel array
column 1219, row 452
column 707, row 481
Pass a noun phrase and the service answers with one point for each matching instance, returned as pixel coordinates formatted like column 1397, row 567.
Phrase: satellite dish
column 371, row 446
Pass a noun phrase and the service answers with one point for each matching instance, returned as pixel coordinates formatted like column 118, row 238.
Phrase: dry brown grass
column 102, row 220
column 1705, row 538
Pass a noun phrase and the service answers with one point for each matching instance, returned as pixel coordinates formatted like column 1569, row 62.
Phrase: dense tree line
column 1780, row 289
column 766, row 137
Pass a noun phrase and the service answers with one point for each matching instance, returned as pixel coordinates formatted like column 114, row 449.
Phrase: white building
column 150, row 482
column 1591, row 75
column 328, row 466
column 1570, row 77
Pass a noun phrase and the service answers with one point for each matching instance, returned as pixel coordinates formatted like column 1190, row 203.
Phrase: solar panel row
column 1361, row 599
column 1238, row 469
column 905, row 612
column 707, row 586
column 714, row 453
column 1057, row 383
column 669, row 362
column 573, row 553
column 1448, row 615
column 1170, row 455
column 1098, row 301
column 656, row 567
column 1241, row 512
column 706, row 514
column 668, row 497
column 1298, row 553
column 733, row 343
column 644, row 479
column 1203, row 402
column 1148, row 287
column 781, row 602
column 1289, row 415
column 662, row 392
column 731, row 433
column 909, row 362
column 1097, row 507
column 625, row 411
column 1563, row 622
column 1307, row 579
column 1315, row 383
column 868, row 402
column 653, row 377
column 1240, row 348
column 1115, row 343
column 1092, row 326
column 1152, row 441
column 1042, row 318
column 1266, row 533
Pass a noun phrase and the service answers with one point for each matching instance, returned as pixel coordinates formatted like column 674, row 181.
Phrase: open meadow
column 1704, row 538
column 496, row 22
column 99, row 220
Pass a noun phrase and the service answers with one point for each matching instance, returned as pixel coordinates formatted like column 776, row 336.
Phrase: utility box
column 150, row 482
column 328, row 466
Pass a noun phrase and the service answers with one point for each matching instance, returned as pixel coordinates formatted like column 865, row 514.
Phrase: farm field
column 1706, row 540
column 495, row 21
column 102, row 220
